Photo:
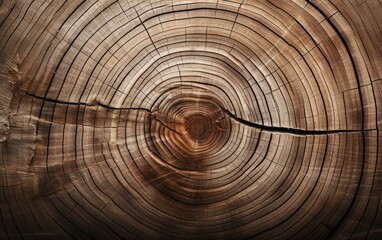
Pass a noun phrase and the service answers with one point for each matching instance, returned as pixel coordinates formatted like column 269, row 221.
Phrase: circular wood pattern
column 191, row 119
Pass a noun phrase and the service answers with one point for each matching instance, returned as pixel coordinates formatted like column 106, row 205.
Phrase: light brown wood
column 210, row 119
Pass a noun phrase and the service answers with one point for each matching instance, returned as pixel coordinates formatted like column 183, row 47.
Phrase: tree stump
column 192, row 119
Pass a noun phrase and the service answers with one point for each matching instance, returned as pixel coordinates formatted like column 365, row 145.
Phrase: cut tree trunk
column 207, row 119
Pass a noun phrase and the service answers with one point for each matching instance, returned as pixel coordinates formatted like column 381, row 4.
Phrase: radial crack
column 275, row 129
column 95, row 103
column 165, row 125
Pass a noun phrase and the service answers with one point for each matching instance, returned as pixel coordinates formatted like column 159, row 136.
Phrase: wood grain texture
column 190, row 119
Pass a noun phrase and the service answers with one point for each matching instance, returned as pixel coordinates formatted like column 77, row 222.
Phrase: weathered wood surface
column 190, row 119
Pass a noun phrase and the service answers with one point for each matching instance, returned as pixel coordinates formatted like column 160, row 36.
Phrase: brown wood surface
column 190, row 119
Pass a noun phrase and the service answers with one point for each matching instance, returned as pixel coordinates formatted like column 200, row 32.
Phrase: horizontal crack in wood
column 295, row 131
column 112, row 108
column 90, row 104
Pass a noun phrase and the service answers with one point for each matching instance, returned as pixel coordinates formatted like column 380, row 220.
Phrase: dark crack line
column 295, row 131
column 90, row 104
column 153, row 113
column 166, row 126
column 274, row 129
column 144, row 26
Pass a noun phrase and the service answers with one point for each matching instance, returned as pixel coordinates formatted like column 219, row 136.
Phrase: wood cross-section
column 190, row 119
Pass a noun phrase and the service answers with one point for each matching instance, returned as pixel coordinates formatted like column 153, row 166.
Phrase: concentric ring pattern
column 207, row 119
